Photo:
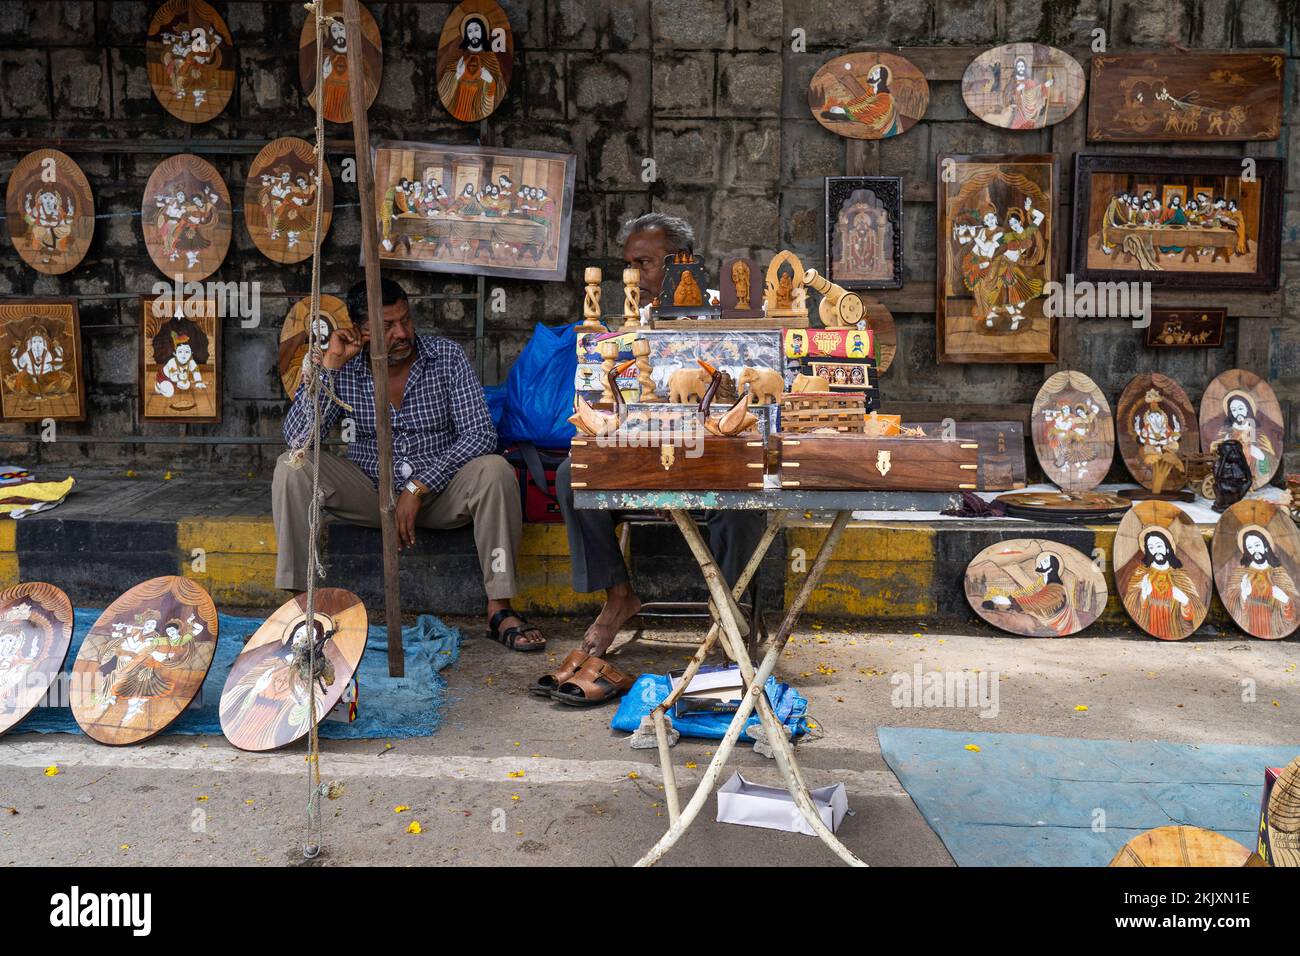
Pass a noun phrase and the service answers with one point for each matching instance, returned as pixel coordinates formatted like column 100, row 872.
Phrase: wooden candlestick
column 839, row 307
column 591, row 301
column 609, row 353
column 632, row 299
column 641, row 349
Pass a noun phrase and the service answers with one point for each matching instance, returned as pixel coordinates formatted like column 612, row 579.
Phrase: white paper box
column 754, row 805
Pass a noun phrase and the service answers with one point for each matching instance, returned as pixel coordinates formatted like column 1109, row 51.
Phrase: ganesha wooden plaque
column 40, row 353
column 50, row 211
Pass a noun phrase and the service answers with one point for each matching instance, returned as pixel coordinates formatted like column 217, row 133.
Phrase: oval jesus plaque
column 1023, row 86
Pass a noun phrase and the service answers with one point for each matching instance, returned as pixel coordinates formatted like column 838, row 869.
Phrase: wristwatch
column 415, row 488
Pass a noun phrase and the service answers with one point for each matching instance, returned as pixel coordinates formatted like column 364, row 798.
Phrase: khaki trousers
column 484, row 492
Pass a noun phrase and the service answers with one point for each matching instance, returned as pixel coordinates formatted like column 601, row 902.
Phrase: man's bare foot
column 621, row 605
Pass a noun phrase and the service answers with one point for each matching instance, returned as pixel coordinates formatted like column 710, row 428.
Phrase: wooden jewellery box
column 708, row 463
column 849, row 462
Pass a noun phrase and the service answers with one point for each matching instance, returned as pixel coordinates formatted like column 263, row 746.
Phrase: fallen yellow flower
column 414, row 827
column 401, row 808
column 1080, row 707
column 973, row 748
column 52, row 770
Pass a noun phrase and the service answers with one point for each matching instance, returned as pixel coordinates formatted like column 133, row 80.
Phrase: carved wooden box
column 859, row 463
column 707, row 463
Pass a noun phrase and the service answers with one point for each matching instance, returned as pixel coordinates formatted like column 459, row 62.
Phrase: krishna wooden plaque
column 1035, row 588
column 40, row 352
column 267, row 699
column 297, row 333
column 186, row 218
column 1162, row 570
column 338, row 61
column 50, row 211
column 1240, row 405
column 35, row 631
column 996, row 252
column 191, row 60
column 144, row 660
column 1073, row 432
column 180, row 371
column 868, row 95
column 280, row 200
column 475, row 55
column 1256, row 554
column 1023, row 86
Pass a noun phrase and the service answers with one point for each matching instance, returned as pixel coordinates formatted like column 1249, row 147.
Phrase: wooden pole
column 378, row 348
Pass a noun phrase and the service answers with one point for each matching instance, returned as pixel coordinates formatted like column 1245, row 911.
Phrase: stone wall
column 709, row 89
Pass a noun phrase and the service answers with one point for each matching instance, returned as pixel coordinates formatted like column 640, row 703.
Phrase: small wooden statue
column 632, row 301
column 784, row 294
column 839, row 307
column 609, row 353
column 738, row 287
column 685, row 289
column 641, row 349
column 591, row 301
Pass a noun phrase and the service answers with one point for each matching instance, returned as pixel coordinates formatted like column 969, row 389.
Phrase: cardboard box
column 754, row 805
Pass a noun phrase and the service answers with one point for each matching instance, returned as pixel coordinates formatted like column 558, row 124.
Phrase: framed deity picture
column 476, row 209
column 336, row 62
column 1178, row 221
column 40, row 347
column 475, row 56
column 995, row 255
column 191, row 60
column 50, row 211
column 864, row 231
column 180, row 368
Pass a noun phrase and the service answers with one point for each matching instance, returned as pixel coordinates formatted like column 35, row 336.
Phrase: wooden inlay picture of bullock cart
column 40, row 353
column 191, row 60
column 280, row 200
column 1186, row 328
column 180, row 378
column 337, row 62
column 1210, row 223
column 864, row 231
column 502, row 212
column 50, row 211
column 1187, row 96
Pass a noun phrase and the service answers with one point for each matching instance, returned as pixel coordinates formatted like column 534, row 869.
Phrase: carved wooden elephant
column 687, row 385
column 765, row 384
column 810, row 383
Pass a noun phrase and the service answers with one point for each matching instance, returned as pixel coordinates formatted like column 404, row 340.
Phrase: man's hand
column 345, row 345
column 408, row 507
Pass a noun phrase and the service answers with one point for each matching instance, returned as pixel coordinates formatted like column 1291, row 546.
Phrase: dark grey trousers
column 598, row 563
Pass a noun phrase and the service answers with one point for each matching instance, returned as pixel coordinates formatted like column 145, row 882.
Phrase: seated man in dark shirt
column 597, row 561
column 446, row 472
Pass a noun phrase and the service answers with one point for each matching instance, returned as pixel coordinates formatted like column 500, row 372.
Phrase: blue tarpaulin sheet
column 1028, row 800
column 790, row 707
column 409, row 706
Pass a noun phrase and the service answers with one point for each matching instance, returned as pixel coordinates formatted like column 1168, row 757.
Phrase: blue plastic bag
column 790, row 707
column 536, row 400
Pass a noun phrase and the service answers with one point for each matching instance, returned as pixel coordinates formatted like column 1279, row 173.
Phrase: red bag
column 535, row 468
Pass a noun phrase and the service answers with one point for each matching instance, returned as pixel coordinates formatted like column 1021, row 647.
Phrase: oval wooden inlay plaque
column 1256, row 554
column 50, row 211
column 186, row 218
column 35, row 630
column 337, row 61
column 1073, row 434
column 144, row 660
column 280, row 199
column 1241, row 405
column 881, row 322
column 1154, row 419
column 1162, row 570
column 868, row 95
column 1181, row 846
column 475, row 55
column 1090, row 503
column 294, row 336
column 265, row 703
column 1035, row 588
column 191, row 60
column 1023, row 86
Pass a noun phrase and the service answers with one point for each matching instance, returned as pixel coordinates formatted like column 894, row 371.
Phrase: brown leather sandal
column 596, row 682
column 552, row 681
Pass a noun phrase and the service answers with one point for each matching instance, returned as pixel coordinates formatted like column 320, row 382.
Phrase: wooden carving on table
column 35, row 630
column 864, row 231
column 868, row 95
column 297, row 332
column 1256, row 553
column 1023, row 86
column 1186, row 328
column 591, row 300
column 631, row 298
column 186, row 218
column 180, row 368
column 265, row 702
column 1156, row 435
column 50, row 211
column 1035, row 588
column 1188, row 95
column 1073, row 433
column 191, row 60
column 784, row 295
column 685, row 288
column 1162, row 570
column 280, row 200
column 144, row 660
column 996, row 244
column 740, row 295
column 40, row 354
column 838, row 307
column 1186, row 221
column 475, row 56
column 338, row 61
column 1242, row 406
column 835, row 461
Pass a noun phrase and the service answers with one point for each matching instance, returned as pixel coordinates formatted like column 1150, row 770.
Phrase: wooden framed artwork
column 191, row 60
column 995, row 254
column 1242, row 406
column 50, row 211
column 264, row 704
column 1186, row 328
column 1178, row 221
column 1156, row 431
column 144, row 660
column 337, row 61
column 186, row 218
column 180, row 367
column 35, row 631
column 475, row 55
column 868, row 95
column 296, row 334
column 1072, row 431
column 1162, row 570
column 1035, row 588
column 40, row 347
column 1187, row 96
column 1023, row 86
column 864, row 231
column 1256, row 553
column 502, row 212
column 280, row 200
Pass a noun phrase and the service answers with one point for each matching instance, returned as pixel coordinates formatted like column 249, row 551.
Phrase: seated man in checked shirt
column 446, row 472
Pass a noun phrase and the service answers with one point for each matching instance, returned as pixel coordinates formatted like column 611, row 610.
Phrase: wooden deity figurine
column 591, row 301
column 631, row 298
column 839, row 308
column 784, row 295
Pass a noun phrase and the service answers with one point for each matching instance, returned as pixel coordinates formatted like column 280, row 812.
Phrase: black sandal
column 510, row 637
